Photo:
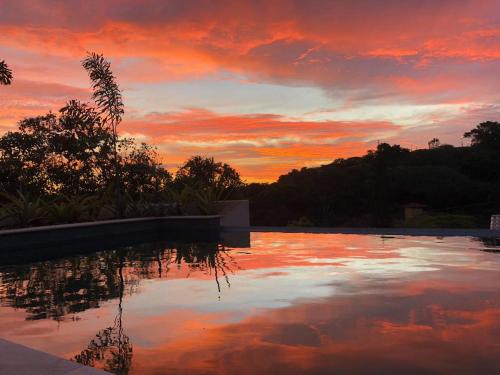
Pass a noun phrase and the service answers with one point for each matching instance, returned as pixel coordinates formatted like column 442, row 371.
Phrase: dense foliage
column 206, row 172
column 71, row 153
column 460, row 186
column 72, row 166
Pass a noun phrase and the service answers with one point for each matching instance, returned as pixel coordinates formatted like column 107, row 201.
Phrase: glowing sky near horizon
column 266, row 86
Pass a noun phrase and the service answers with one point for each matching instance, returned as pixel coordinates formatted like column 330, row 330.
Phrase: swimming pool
column 269, row 303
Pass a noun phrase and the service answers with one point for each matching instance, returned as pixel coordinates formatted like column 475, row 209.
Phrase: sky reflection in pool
column 291, row 304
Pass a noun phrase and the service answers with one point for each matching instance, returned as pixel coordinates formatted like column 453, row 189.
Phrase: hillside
column 460, row 186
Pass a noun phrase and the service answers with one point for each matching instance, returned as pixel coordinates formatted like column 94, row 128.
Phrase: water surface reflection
column 290, row 304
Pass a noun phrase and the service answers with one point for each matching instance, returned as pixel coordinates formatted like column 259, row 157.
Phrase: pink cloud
column 358, row 52
column 261, row 146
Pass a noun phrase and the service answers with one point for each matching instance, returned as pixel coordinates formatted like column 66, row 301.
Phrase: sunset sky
column 265, row 85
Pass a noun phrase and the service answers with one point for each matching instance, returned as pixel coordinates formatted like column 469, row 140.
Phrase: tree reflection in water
column 491, row 244
column 218, row 260
column 111, row 349
column 54, row 289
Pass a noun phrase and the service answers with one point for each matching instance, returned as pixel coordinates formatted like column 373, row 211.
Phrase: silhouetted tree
column 72, row 153
column 434, row 143
column 107, row 96
column 141, row 171
column 5, row 73
column 373, row 189
column 77, row 150
column 67, row 153
column 485, row 135
column 106, row 92
column 205, row 173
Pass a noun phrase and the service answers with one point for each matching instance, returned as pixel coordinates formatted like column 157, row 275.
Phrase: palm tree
column 5, row 74
column 108, row 97
column 107, row 94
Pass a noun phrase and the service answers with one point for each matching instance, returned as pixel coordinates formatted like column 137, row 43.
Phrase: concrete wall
column 235, row 213
column 495, row 222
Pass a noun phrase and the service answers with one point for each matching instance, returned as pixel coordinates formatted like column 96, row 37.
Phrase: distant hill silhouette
column 459, row 185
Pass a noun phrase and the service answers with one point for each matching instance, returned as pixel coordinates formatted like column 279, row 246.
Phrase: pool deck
column 434, row 232
column 17, row 359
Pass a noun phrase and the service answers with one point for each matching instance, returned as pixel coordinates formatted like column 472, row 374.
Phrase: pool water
column 286, row 303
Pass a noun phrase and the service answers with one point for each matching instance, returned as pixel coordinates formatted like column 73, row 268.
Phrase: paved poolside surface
column 17, row 359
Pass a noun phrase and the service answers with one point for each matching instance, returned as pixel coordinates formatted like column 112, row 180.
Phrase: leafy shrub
column 22, row 211
column 72, row 209
column 206, row 199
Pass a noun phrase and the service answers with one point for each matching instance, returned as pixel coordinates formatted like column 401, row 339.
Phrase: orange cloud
column 261, row 147
column 328, row 44
column 32, row 98
column 360, row 54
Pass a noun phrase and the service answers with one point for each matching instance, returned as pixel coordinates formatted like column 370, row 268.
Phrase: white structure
column 234, row 213
column 495, row 222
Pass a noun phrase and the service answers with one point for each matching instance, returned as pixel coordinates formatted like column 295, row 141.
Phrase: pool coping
column 433, row 232
column 22, row 360
column 13, row 239
column 102, row 222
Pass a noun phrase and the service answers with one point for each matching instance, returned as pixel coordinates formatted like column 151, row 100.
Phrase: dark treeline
column 459, row 185
column 72, row 166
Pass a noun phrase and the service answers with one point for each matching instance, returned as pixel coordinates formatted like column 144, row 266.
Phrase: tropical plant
column 207, row 199
column 5, row 73
column 74, row 160
column 139, row 208
column 22, row 210
column 106, row 92
column 71, row 209
column 107, row 96
column 183, row 202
